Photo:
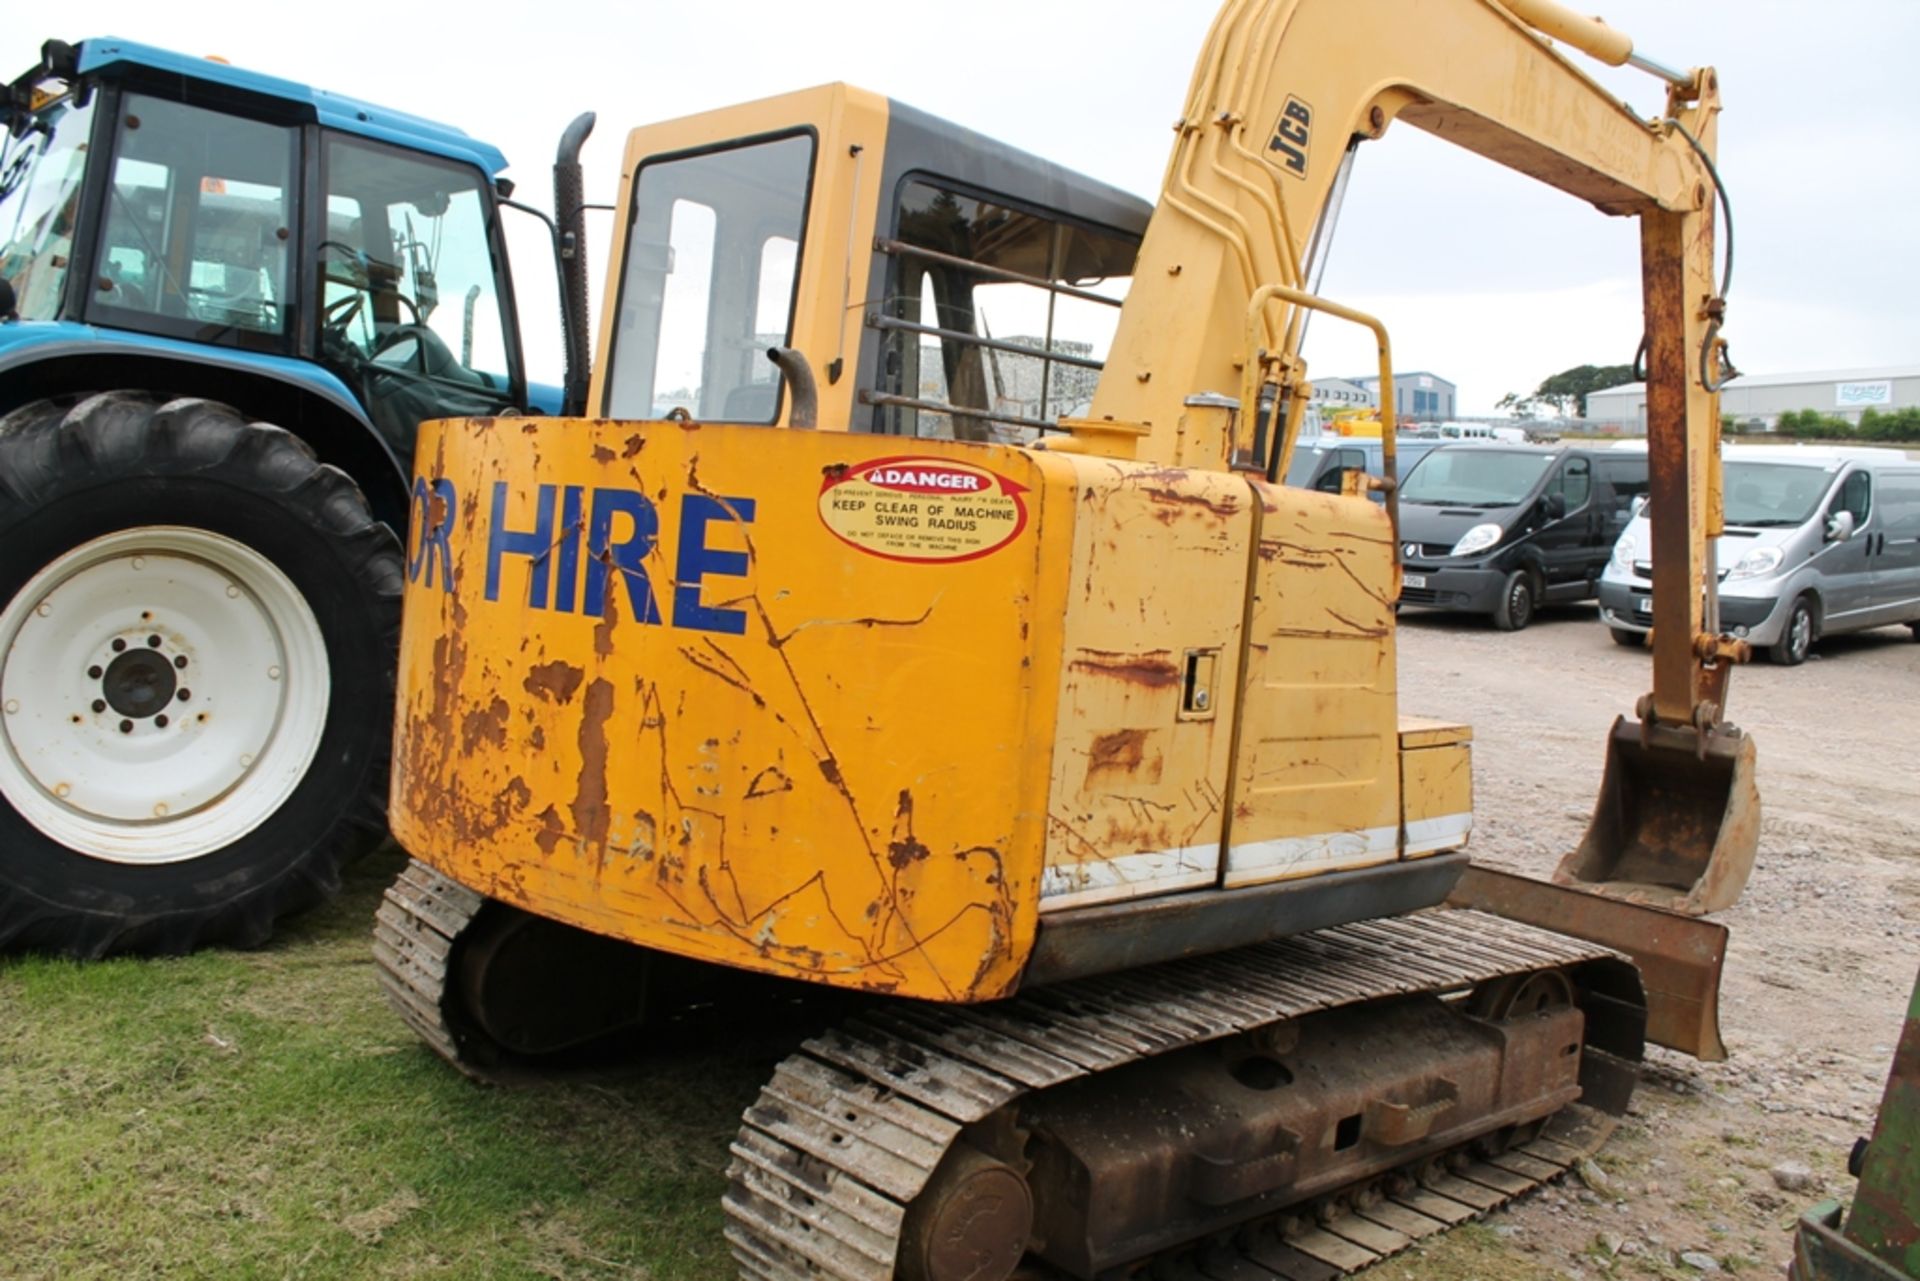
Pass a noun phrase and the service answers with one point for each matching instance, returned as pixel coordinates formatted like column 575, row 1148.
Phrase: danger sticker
column 922, row 509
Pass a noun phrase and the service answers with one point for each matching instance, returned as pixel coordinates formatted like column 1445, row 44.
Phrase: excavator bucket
column 1677, row 824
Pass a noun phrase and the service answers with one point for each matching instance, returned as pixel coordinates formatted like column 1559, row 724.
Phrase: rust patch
column 905, row 849
column 830, row 770
column 601, row 454
column 603, row 630
column 635, row 443
column 514, row 798
column 590, row 813
column 556, row 681
column 484, row 726
column 1154, row 669
column 537, row 738
column 1219, row 506
column 1121, row 750
column 834, row 471
column 551, row 830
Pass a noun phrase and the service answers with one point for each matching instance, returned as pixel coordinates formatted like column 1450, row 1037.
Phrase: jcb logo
column 1291, row 134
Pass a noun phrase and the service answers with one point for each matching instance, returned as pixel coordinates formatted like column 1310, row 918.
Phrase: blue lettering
column 568, row 572
column 533, row 544
column 622, row 528
column 605, row 555
column 697, row 560
column 434, row 509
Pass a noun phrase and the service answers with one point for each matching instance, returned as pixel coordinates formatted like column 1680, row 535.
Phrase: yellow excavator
column 874, row 632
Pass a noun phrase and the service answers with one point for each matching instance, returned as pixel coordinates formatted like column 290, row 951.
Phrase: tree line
column 1811, row 424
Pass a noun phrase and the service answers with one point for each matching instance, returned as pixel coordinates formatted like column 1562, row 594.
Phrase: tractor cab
column 185, row 201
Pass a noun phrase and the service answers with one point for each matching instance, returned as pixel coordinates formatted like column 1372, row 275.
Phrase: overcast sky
column 1482, row 277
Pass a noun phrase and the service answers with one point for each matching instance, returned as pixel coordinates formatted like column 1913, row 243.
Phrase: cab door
column 1846, row 567
column 1896, row 559
column 1568, row 530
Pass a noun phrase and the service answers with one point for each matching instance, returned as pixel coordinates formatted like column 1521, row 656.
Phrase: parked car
column 1502, row 529
column 1817, row 542
column 1322, row 462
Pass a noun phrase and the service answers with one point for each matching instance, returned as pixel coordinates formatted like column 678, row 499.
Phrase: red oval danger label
column 923, row 509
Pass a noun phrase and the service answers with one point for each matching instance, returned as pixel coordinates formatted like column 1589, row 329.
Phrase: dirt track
column 1825, row 942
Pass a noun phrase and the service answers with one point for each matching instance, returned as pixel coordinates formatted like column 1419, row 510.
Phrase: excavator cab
column 917, row 612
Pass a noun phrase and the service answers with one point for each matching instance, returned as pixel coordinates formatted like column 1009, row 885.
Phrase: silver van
column 1817, row 542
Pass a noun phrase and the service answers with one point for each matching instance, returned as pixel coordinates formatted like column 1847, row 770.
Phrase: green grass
column 264, row 1114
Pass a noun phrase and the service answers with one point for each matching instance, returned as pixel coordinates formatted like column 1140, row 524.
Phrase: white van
column 1817, row 542
column 1482, row 431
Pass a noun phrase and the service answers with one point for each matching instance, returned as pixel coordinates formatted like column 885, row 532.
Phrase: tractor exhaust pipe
column 570, row 211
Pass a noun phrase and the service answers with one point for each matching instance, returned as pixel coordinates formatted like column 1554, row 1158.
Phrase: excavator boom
column 1262, row 144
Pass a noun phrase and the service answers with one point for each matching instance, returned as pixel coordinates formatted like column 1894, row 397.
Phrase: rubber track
column 851, row 1127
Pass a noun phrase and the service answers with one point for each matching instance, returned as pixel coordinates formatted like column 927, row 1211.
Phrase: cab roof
column 110, row 56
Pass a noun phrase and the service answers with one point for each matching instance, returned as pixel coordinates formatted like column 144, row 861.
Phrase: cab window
column 1627, row 478
column 712, row 263
column 198, row 226
column 1574, row 484
column 41, row 166
column 410, row 310
column 996, row 319
column 1345, row 460
column 1856, row 496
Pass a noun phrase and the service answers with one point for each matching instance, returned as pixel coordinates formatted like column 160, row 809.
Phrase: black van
column 1504, row 529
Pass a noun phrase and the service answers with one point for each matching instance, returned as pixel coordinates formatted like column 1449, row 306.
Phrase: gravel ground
column 1825, row 941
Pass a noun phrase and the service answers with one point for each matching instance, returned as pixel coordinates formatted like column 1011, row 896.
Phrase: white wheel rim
column 164, row 691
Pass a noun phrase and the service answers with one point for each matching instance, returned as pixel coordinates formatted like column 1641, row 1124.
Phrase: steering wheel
column 434, row 358
column 338, row 315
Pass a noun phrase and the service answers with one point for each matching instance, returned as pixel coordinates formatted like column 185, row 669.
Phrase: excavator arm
column 1282, row 92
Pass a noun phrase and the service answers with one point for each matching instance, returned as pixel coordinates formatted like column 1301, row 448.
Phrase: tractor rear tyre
column 198, row 631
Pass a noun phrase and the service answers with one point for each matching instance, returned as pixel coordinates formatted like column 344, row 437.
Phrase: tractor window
column 40, row 172
column 708, row 285
column 996, row 318
column 410, row 302
column 198, row 223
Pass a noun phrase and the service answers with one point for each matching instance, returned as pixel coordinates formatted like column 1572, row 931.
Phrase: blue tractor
column 226, row 303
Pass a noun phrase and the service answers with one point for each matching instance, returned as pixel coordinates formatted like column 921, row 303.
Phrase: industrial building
column 1756, row 401
column 1418, row 397
column 1331, row 395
